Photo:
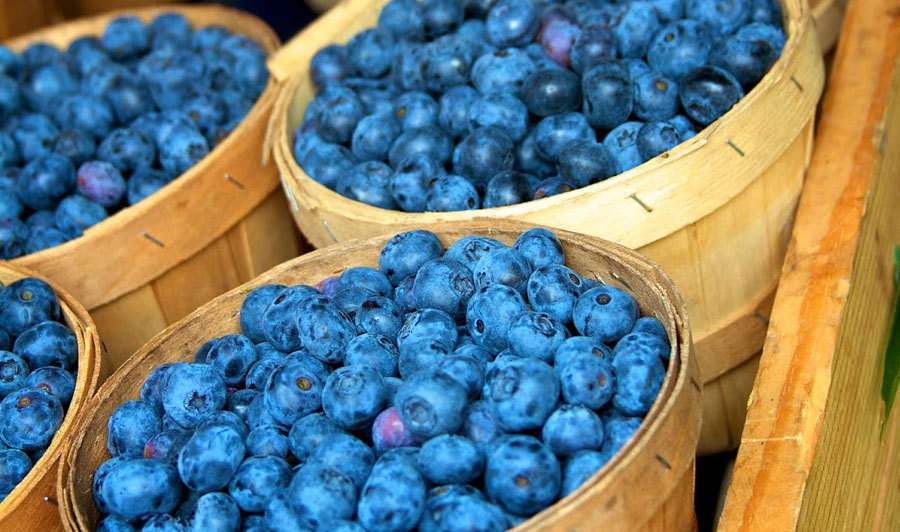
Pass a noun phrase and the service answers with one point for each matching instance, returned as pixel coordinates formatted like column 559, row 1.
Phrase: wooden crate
column 719, row 206
column 647, row 486
column 31, row 507
column 216, row 226
column 811, row 455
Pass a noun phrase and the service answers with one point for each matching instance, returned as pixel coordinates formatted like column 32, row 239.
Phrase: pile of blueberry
column 87, row 131
column 452, row 105
column 457, row 391
column 38, row 364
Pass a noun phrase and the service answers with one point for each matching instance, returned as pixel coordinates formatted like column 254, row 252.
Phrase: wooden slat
column 810, row 455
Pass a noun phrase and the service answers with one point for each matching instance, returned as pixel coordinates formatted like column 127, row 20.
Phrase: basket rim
column 228, row 17
column 681, row 374
column 798, row 27
column 86, row 383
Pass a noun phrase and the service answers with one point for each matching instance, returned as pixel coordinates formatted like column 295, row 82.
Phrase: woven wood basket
column 31, row 506
column 647, row 486
column 219, row 224
column 715, row 212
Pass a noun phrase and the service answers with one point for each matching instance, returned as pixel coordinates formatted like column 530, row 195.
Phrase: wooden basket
column 647, row 486
column 217, row 225
column 828, row 14
column 31, row 506
column 818, row 451
column 715, row 212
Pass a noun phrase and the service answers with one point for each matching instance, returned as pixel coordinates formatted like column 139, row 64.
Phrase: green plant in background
column 892, row 351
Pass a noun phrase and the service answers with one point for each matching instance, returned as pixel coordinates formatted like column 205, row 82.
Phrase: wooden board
column 811, row 457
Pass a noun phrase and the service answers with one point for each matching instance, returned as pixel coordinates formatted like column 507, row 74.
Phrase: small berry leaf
column 892, row 351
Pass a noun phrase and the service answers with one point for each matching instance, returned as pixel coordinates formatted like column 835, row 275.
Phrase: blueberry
column 482, row 154
column 419, row 355
column 373, row 137
column 509, row 188
column 580, row 467
column 651, row 326
column 10, row 96
column 655, row 96
column 555, row 131
column 622, row 142
column 10, row 62
column 489, row 313
column 579, row 345
column 327, row 163
column 45, row 181
column 453, row 109
column 13, row 373
column 368, row 278
column 450, row 459
column 536, row 335
column 30, row 418
column 137, row 489
column 43, row 87
column 130, row 427
column 585, row 162
column 679, row 47
column 181, row 148
column 501, row 110
column 588, row 380
column 293, row 390
column 101, row 182
column 353, row 396
column 503, row 266
column 648, row 343
column 232, row 355
column 522, row 475
column 127, row 97
column 229, row 419
column 709, row 92
column 9, row 152
column 257, row 481
column 393, row 497
column 339, row 113
column 723, row 16
column 605, row 313
column 153, row 386
column 415, row 109
column 281, row 517
column 330, row 65
column 480, row 425
column 346, row 454
column 87, row 113
column 552, row 91
column 428, row 325
column 98, row 479
column 324, row 329
column 405, row 253
column 24, row 304
column 529, row 160
column 125, row 37
column 505, row 70
column 769, row 33
column 193, row 393
column 319, row 493
column 267, row 441
column 619, row 429
column 379, row 315
column 216, row 512
column 634, row 28
column 468, row 250
column 608, row 94
column 210, row 457
column 452, row 193
column 454, row 512
column 468, row 371
column 512, row 22
column 409, row 67
column 389, row 432
column 655, row 138
column 308, row 432
column 172, row 81
column 350, row 299
column 441, row 16
column 48, row 343
column 75, row 144
column 166, row 445
column 522, row 394
column 639, row 377
column 428, row 140
column 370, row 52
column 403, row 18
column 747, row 60
column 572, row 428
column 431, row 403
column 253, row 309
column 76, row 213
column 555, row 39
